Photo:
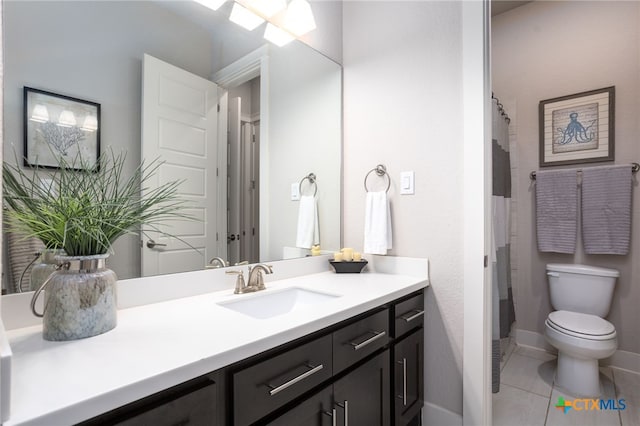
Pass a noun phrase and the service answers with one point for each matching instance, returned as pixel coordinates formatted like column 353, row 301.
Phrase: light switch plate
column 295, row 191
column 407, row 183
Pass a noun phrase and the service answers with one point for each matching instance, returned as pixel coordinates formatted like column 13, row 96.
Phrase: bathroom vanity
column 313, row 348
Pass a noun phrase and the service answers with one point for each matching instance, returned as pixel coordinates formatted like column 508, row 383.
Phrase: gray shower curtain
column 503, row 311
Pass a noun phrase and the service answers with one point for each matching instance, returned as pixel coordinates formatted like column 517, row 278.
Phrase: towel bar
column 635, row 167
column 311, row 177
column 381, row 171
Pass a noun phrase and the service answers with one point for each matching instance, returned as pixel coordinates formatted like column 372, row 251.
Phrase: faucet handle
column 240, row 285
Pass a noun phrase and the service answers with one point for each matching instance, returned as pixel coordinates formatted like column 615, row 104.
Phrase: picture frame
column 577, row 128
column 60, row 127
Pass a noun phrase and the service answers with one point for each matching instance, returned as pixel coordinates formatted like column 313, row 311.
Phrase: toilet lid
column 573, row 323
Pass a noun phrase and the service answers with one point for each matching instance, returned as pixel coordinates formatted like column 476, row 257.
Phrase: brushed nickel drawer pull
column 404, row 381
column 417, row 314
column 345, row 407
column 331, row 414
column 274, row 390
column 378, row 335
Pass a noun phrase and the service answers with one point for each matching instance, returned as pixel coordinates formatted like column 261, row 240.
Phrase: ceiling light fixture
column 244, row 17
column 267, row 8
column 66, row 119
column 90, row 123
column 211, row 4
column 277, row 36
column 299, row 19
column 40, row 114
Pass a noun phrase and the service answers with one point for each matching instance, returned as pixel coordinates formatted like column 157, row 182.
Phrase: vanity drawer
column 355, row 341
column 268, row 385
column 409, row 314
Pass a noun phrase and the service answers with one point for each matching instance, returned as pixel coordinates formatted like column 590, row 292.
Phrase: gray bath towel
column 606, row 209
column 557, row 210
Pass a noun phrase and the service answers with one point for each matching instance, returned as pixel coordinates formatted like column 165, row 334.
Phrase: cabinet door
column 264, row 387
column 317, row 410
column 362, row 397
column 408, row 357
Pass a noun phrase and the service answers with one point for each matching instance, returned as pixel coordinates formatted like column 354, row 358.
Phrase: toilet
column 581, row 296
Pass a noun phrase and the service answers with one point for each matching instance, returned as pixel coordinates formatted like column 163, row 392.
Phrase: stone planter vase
column 79, row 299
column 41, row 271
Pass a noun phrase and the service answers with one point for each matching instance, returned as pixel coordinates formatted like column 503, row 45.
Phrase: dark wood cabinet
column 408, row 381
column 267, row 385
column 359, row 398
column 367, row 370
column 317, row 410
column 363, row 395
column 194, row 403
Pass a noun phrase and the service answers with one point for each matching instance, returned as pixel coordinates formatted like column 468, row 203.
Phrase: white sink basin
column 273, row 304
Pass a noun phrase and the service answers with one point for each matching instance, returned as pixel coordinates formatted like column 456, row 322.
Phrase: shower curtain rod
column 635, row 167
column 501, row 108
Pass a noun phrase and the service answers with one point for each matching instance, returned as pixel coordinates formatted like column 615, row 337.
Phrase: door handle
column 404, row 381
column 331, row 414
column 152, row 244
column 345, row 407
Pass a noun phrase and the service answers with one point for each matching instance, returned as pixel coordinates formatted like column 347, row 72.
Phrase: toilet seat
column 584, row 326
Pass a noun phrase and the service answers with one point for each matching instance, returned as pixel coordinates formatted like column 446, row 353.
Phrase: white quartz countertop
column 159, row 345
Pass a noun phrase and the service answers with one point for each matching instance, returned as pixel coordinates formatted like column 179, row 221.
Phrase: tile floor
column 528, row 397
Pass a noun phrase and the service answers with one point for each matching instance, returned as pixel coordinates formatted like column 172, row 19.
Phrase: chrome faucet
column 255, row 280
column 255, row 275
column 217, row 262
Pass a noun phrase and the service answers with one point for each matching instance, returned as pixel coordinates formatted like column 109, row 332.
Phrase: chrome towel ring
column 311, row 177
column 381, row 171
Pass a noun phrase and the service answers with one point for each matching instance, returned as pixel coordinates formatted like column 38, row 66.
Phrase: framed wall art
column 60, row 127
column 577, row 128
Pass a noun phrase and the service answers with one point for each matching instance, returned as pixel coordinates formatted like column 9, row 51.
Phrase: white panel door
column 179, row 127
column 234, row 187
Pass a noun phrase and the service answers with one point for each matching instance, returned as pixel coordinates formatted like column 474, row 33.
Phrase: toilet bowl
column 581, row 340
column 582, row 297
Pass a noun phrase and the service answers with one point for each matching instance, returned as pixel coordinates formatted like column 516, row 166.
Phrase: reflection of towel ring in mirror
column 311, row 177
column 381, row 171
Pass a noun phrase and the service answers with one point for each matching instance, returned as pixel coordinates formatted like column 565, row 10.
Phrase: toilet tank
column 581, row 288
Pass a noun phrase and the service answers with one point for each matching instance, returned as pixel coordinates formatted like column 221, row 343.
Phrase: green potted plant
column 82, row 212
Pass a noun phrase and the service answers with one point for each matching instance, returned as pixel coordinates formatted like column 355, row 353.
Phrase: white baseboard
column 620, row 359
column 436, row 415
column 625, row 360
column 533, row 339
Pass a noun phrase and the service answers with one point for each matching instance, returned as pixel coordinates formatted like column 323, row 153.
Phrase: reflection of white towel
column 308, row 232
column 377, row 223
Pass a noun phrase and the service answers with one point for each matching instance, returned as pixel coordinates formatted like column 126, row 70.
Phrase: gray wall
column 548, row 49
column 403, row 108
column 93, row 51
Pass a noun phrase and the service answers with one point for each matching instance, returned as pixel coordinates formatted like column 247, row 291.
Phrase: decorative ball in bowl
column 348, row 267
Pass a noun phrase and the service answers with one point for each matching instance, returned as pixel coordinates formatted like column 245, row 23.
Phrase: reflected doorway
column 243, row 173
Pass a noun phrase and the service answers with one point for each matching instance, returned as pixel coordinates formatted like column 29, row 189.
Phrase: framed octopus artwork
column 577, row 128
column 59, row 130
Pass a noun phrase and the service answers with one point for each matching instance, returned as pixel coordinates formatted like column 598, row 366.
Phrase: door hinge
column 253, row 138
column 486, row 261
column 217, row 172
column 253, row 184
column 217, row 238
column 218, row 107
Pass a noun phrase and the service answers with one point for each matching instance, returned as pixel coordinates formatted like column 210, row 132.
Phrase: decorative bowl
column 348, row 267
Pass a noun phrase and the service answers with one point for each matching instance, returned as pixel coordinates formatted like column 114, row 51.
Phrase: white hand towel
column 377, row 223
column 308, row 231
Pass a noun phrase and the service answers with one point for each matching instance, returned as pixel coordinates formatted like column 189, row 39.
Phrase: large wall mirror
column 287, row 110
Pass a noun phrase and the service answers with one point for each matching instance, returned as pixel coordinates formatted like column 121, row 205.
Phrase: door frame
column 244, row 69
column 476, row 79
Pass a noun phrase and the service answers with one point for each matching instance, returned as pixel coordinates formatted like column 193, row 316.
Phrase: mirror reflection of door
column 243, row 172
column 179, row 128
